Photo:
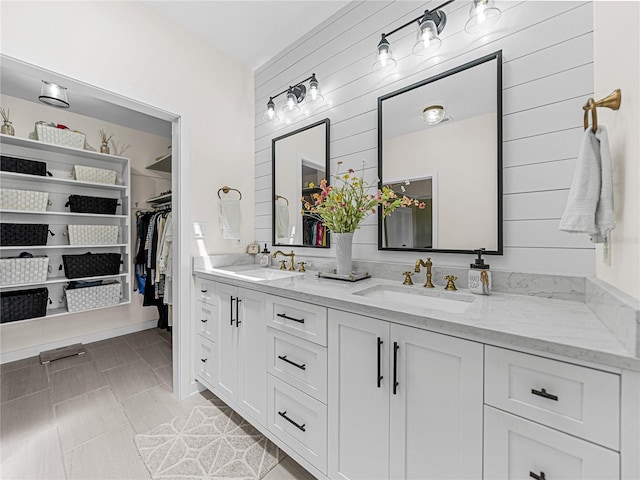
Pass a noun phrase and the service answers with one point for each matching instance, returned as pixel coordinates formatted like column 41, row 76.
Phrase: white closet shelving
column 60, row 161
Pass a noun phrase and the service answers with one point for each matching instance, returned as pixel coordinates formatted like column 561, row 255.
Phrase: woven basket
column 93, row 234
column 91, row 265
column 23, row 304
column 86, row 298
column 27, row 234
column 28, row 200
column 59, row 136
column 86, row 204
column 20, row 165
column 92, row 174
column 17, row 270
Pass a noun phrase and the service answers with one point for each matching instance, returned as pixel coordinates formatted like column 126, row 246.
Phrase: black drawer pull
column 396, row 347
column 285, row 359
column 543, row 393
column 204, row 360
column 204, row 320
column 380, row 377
column 538, row 477
column 297, row 425
column 203, row 291
column 282, row 315
column 238, row 322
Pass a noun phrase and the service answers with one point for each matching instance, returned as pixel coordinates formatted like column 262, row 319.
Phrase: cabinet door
column 358, row 400
column 227, row 382
column 253, row 355
column 436, row 407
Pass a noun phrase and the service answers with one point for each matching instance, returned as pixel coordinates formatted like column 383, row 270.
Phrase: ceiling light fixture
column 433, row 114
column 53, row 95
column 295, row 95
column 483, row 15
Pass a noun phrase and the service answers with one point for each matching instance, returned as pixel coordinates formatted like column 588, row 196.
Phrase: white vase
column 344, row 242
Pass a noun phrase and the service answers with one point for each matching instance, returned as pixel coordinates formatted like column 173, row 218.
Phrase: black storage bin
column 86, row 204
column 19, row 234
column 23, row 304
column 91, row 265
column 20, row 165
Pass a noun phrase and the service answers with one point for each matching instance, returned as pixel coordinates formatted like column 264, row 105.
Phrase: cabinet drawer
column 298, row 362
column 519, row 449
column 301, row 319
column 299, row 421
column 204, row 290
column 206, row 321
column 578, row 400
column 206, row 354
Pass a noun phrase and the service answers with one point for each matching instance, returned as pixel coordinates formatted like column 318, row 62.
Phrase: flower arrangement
column 343, row 205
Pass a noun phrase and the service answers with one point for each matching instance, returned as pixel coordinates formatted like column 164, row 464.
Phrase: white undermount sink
column 257, row 274
column 418, row 297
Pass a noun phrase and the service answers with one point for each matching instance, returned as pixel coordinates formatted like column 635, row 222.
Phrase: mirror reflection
column 299, row 158
column 440, row 142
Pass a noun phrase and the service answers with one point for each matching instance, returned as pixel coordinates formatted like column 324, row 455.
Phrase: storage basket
column 86, row 298
column 23, row 304
column 31, row 200
column 23, row 269
column 91, row 265
column 92, row 174
column 86, row 204
column 27, row 234
column 59, row 136
column 20, row 165
column 93, row 234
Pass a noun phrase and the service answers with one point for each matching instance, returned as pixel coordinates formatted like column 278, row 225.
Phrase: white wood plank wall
column 547, row 76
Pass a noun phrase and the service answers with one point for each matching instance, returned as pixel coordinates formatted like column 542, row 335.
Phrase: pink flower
column 422, row 205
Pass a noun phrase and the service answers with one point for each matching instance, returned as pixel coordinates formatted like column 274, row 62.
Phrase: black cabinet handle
column 282, row 315
column 204, row 320
column 297, row 425
column 238, row 322
column 380, row 377
column 396, row 347
column 285, row 359
column 543, row 393
column 204, row 360
column 231, row 312
column 203, row 291
column 538, row 477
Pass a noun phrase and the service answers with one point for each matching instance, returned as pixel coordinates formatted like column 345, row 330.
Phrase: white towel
column 282, row 221
column 590, row 204
column 230, row 220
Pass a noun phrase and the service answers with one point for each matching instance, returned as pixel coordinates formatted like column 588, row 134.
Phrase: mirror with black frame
column 299, row 158
column 440, row 142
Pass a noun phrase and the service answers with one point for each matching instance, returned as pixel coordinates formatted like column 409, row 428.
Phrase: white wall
column 547, row 76
column 144, row 184
column 617, row 65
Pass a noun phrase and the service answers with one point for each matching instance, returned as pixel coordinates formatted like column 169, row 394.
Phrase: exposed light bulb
column 291, row 103
column 384, row 58
column 270, row 113
column 427, row 40
column 314, row 97
column 482, row 16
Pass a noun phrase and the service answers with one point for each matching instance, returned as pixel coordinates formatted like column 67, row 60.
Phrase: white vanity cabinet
column 239, row 344
column 403, row 402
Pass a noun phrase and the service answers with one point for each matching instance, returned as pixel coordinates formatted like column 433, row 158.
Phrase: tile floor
column 76, row 418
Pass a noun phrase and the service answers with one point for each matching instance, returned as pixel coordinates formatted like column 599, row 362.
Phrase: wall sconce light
column 53, row 95
column 295, row 96
column 482, row 16
column 433, row 114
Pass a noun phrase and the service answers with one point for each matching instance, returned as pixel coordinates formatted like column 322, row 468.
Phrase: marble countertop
column 559, row 327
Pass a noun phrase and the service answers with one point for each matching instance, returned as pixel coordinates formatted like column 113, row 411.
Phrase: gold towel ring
column 278, row 197
column 226, row 190
column 591, row 107
column 612, row 101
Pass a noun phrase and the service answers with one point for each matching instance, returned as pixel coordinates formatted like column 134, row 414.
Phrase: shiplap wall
column 547, row 76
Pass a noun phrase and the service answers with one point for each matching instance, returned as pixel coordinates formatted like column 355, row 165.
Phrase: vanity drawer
column 578, row 400
column 204, row 290
column 299, row 421
column 519, row 449
column 301, row 319
column 298, row 362
column 206, row 318
column 206, row 354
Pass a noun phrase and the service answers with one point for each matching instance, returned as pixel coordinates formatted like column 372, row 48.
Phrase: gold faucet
column 407, row 278
column 427, row 264
column 450, row 285
column 292, row 257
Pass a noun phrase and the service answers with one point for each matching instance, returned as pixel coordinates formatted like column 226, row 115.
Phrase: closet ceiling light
column 295, row 95
column 53, row 95
column 433, row 114
column 482, row 16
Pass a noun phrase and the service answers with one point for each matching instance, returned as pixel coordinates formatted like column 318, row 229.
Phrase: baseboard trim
column 91, row 337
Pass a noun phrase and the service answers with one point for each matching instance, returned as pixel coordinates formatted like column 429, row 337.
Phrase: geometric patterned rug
column 210, row 443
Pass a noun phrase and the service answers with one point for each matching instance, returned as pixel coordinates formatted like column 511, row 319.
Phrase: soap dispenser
column 479, row 275
column 265, row 257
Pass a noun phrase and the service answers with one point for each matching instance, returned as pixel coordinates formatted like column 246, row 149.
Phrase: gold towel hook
column 278, row 197
column 226, row 190
column 612, row 101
